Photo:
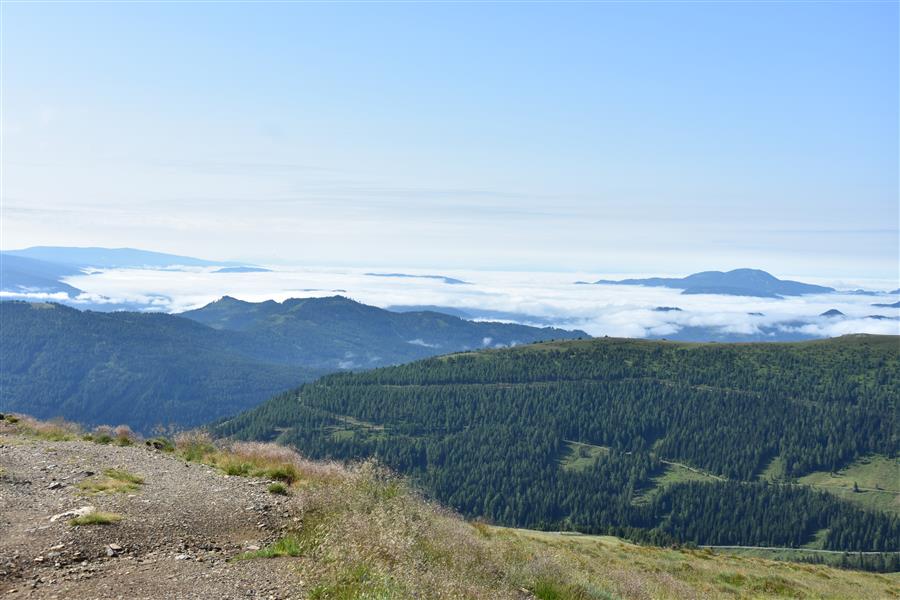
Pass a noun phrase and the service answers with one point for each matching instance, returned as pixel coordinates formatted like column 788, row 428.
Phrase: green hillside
column 501, row 434
column 147, row 369
column 337, row 332
column 140, row 369
column 872, row 482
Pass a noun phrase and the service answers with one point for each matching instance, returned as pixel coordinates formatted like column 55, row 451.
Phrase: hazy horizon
column 609, row 138
column 534, row 298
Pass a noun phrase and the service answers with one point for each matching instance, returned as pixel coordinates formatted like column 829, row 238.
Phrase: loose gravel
column 178, row 536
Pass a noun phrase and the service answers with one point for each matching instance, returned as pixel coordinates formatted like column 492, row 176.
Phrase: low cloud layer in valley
column 532, row 298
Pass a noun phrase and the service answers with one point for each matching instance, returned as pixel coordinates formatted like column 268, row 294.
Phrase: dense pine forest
column 494, row 433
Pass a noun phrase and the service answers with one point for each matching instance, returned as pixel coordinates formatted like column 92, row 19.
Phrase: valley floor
column 181, row 529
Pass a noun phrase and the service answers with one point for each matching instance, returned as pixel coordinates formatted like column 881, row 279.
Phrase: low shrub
column 102, row 434
column 124, row 436
column 163, row 444
column 278, row 488
column 287, row 473
column 289, row 545
column 358, row 581
column 194, row 445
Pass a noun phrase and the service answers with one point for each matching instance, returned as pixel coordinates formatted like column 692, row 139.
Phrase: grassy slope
column 877, row 478
column 575, row 456
column 365, row 534
column 673, row 473
column 773, row 471
column 612, row 568
column 580, row 456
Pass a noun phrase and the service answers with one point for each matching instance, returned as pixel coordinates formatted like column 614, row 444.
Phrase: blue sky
column 651, row 137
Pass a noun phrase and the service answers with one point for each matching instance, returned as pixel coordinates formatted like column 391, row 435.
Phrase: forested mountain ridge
column 140, row 369
column 147, row 369
column 486, row 432
column 336, row 331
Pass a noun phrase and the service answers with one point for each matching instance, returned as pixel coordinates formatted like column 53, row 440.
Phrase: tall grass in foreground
column 368, row 534
column 365, row 533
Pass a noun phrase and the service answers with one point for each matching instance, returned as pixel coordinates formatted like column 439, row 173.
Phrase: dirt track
column 177, row 534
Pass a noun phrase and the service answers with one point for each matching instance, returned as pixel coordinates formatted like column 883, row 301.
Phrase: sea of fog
column 538, row 298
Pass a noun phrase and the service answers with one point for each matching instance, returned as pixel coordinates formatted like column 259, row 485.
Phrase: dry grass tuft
column 56, row 430
column 112, row 481
column 96, row 518
column 256, row 459
column 285, row 464
column 121, row 435
column 194, row 445
column 124, row 436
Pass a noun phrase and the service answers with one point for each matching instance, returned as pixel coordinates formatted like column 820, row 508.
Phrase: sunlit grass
column 255, row 459
column 112, row 481
column 278, row 488
column 96, row 518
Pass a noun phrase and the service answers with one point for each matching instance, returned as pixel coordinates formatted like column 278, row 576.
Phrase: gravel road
column 177, row 534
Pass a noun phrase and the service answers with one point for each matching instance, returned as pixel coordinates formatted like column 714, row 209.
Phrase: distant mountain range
column 41, row 269
column 21, row 274
column 40, row 274
column 336, row 332
column 739, row 282
column 143, row 369
column 112, row 258
column 148, row 369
